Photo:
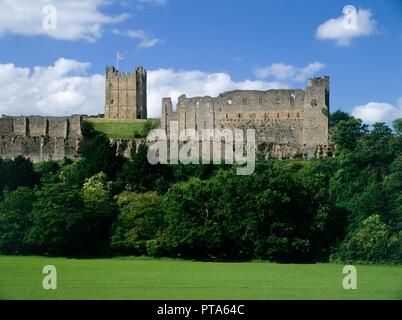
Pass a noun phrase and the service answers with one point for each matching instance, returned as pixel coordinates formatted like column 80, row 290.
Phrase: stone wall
column 126, row 94
column 289, row 123
column 40, row 138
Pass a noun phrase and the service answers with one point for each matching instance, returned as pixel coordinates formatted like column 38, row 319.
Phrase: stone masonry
column 40, row 138
column 290, row 123
column 126, row 94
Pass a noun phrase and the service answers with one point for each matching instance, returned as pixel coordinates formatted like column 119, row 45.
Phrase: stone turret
column 126, row 94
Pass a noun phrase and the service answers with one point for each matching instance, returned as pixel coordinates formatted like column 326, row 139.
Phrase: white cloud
column 347, row 27
column 61, row 89
column 75, row 19
column 147, row 41
column 286, row 72
column 373, row 112
column 64, row 88
column 170, row 83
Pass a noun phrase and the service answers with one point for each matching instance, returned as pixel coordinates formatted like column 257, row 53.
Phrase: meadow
column 148, row 278
column 119, row 128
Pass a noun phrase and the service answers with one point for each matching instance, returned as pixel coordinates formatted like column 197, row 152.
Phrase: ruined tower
column 289, row 123
column 126, row 94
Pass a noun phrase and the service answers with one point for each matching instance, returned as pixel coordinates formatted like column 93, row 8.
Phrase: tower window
column 292, row 99
column 244, row 100
column 112, row 101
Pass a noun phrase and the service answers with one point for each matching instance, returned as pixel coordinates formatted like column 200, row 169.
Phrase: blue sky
column 200, row 47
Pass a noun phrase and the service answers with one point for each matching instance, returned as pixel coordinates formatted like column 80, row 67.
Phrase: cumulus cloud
column 170, row 83
column 58, row 19
column 65, row 88
column 61, row 89
column 286, row 72
column 352, row 24
column 146, row 40
column 373, row 112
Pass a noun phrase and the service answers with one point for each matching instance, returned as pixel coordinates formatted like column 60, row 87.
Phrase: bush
column 17, row 173
column 140, row 220
column 14, row 220
column 371, row 243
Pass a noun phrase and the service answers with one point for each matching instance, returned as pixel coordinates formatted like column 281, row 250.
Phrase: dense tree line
column 346, row 208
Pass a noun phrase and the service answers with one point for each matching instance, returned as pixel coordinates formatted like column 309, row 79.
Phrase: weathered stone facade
column 40, row 138
column 126, row 94
column 290, row 123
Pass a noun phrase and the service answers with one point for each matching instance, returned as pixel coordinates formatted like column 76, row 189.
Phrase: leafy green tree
column 14, row 219
column 397, row 124
column 99, row 213
column 358, row 185
column 392, row 186
column 272, row 214
column 17, row 173
column 337, row 117
column 193, row 230
column 98, row 155
column 372, row 243
column 57, row 217
column 348, row 133
column 48, row 171
column 140, row 220
column 138, row 175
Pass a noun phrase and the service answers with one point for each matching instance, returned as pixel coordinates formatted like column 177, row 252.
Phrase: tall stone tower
column 316, row 113
column 126, row 94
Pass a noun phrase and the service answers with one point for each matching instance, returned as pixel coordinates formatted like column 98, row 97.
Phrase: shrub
column 371, row 243
column 140, row 220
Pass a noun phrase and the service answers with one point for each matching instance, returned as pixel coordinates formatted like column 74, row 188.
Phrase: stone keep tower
column 126, row 94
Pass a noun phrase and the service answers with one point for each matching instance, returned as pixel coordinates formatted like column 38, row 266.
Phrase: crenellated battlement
column 40, row 138
column 126, row 94
column 285, row 116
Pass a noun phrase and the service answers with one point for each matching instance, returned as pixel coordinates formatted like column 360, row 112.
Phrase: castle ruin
column 40, row 138
column 125, row 94
column 289, row 123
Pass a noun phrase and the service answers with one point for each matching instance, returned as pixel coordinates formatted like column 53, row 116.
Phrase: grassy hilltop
column 122, row 128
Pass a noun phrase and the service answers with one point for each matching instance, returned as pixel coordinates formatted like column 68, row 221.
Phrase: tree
column 140, row 220
column 348, row 133
column 98, row 154
column 337, row 117
column 48, row 171
column 392, row 186
column 17, row 173
column 138, row 175
column 14, row 219
column 57, row 218
column 397, row 124
column 371, row 243
column 99, row 213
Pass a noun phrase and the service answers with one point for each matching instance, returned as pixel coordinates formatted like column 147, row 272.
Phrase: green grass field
column 116, row 128
column 146, row 278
